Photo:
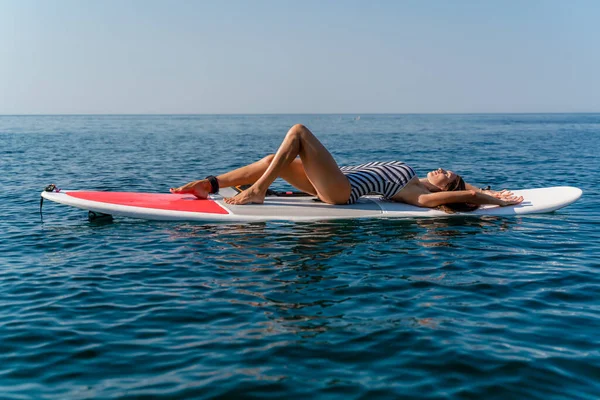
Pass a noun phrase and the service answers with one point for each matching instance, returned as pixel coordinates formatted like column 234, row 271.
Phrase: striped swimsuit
column 385, row 178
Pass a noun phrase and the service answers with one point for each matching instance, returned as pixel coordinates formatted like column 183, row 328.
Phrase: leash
column 50, row 188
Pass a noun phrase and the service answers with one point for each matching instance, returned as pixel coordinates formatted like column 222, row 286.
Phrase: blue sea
column 455, row 308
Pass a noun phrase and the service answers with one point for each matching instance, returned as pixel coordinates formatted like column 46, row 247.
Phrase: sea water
column 449, row 308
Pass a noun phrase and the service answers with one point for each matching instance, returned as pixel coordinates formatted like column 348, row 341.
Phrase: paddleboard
column 178, row 207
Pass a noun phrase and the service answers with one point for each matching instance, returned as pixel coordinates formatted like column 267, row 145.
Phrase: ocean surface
column 466, row 308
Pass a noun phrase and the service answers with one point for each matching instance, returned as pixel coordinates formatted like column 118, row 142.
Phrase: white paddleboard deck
column 177, row 207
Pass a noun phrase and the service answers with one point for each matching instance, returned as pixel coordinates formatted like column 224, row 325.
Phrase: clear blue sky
column 253, row 56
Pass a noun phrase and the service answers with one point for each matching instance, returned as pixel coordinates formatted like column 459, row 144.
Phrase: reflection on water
column 302, row 273
column 327, row 239
column 448, row 232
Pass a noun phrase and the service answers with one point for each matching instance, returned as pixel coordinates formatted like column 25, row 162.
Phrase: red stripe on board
column 173, row 202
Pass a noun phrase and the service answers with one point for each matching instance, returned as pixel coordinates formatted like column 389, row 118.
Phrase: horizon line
column 294, row 113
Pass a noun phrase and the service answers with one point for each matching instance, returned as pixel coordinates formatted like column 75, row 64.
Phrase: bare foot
column 200, row 189
column 250, row 195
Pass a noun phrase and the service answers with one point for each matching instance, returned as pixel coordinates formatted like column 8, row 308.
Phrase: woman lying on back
column 317, row 173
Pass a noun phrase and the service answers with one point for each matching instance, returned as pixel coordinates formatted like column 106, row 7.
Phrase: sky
column 279, row 56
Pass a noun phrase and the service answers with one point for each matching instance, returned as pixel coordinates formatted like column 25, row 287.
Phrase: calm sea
column 452, row 308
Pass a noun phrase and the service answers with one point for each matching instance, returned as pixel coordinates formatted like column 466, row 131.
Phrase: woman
column 317, row 173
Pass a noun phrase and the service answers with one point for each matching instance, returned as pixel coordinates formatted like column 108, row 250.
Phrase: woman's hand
column 498, row 195
column 504, row 194
column 510, row 199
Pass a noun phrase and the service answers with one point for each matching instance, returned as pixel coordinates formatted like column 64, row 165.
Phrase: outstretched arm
column 468, row 186
column 461, row 196
column 499, row 195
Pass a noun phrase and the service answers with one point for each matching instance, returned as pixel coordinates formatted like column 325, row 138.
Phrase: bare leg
column 293, row 173
column 322, row 171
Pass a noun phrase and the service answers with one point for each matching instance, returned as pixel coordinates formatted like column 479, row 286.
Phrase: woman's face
column 441, row 178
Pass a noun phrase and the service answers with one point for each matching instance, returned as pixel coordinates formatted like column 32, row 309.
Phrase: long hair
column 451, row 208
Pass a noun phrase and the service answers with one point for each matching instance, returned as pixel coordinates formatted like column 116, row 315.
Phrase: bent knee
column 298, row 127
column 298, row 130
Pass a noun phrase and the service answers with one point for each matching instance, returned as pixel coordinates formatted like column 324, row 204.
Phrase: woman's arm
column 500, row 195
column 461, row 196
column 471, row 187
column 481, row 190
